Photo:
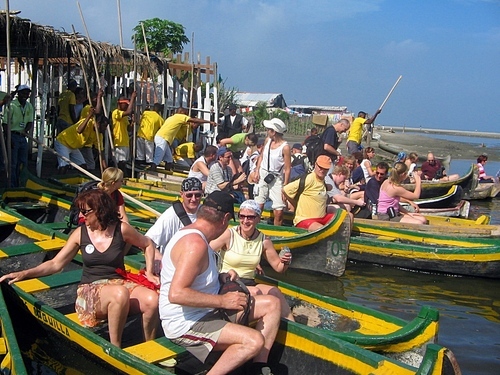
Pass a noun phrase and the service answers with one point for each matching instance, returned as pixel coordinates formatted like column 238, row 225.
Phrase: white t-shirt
column 165, row 227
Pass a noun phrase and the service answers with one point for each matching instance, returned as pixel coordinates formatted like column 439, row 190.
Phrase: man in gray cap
column 21, row 115
column 181, row 213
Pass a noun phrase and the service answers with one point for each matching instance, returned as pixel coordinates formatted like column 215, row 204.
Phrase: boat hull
column 466, row 261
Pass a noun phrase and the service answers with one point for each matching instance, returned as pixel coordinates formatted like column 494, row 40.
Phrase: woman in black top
column 103, row 292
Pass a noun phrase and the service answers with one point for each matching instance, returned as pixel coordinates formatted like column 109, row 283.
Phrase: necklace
column 245, row 237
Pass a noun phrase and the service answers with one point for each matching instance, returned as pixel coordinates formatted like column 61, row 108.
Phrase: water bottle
column 374, row 210
column 284, row 250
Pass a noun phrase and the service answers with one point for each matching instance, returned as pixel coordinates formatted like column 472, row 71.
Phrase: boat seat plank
column 386, row 238
column 51, row 281
column 151, row 351
column 157, row 350
column 3, row 346
column 35, row 247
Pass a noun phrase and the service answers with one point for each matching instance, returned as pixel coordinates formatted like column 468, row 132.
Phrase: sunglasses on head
column 196, row 195
column 249, row 217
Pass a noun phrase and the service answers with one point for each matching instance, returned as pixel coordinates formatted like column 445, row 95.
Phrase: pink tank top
column 385, row 201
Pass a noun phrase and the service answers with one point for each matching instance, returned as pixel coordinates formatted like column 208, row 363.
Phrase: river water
column 469, row 307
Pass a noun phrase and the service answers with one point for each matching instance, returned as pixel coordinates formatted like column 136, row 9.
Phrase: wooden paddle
column 87, row 173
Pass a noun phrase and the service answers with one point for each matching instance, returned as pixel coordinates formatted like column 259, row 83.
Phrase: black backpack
column 314, row 148
column 74, row 212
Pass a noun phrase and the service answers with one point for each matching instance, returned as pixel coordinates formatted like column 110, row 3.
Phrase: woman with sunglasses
column 241, row 248
column 103, row 293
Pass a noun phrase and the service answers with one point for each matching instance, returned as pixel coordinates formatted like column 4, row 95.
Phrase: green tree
column 161, row 36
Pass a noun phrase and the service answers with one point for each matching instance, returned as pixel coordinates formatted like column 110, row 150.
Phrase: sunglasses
column 190, row 195
column 380, row 174
column 249, row 217
column 86, row 212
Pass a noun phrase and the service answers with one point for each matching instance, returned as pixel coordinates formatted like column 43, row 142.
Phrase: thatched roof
column 30, row 40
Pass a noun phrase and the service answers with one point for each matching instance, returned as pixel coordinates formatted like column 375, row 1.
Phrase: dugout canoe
column 457, row 227
column 462, row 210
column 444, row 160
column 324, row 250
column 485, row 190
column 298, row 348
column 471, row 228
column 468, row 182
column 479, row 257
column 11, row 359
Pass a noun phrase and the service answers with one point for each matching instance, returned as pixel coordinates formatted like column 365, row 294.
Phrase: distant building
column 247, row 101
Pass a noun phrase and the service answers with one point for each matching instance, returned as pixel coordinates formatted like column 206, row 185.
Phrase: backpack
column 298, row 169
column 74, row 211
column 314, row 148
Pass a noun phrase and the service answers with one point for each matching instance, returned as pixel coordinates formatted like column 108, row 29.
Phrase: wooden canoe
column 462, row 209
column 444, row 160
column 471, row 228
column 298, row 348
column 485, row 190
column 11, row 359
column 468, row 182
column 324, row 250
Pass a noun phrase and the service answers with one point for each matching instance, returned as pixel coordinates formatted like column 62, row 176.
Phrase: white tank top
column 276, row 160
column 365, row 171
column 176, row 320
column 200, row 176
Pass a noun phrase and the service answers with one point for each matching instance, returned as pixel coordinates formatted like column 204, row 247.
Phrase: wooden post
column 43, row 110
column 8, row 160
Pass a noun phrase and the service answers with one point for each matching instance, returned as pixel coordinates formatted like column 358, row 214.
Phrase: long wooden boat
column 459, row 227
column 457, row 249
column 462, row 209
column 298, row 347
column 324, row 250
column 406, row 248
column 445, row 160
column 451, row 198
column 485, row 190
column 468, row 182
column 11, row 359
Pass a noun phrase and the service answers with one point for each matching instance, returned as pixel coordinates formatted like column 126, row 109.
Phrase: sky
column 329, row 52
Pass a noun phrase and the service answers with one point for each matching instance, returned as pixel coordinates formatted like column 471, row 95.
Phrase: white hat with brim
column 276, row 124
column 23, row 87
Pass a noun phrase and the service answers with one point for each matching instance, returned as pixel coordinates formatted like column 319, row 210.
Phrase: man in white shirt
column 171, row 221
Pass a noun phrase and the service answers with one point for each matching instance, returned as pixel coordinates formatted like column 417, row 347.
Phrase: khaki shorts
column 203, row 335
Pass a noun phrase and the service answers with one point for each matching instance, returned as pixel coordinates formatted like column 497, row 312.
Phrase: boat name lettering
column 51, row 322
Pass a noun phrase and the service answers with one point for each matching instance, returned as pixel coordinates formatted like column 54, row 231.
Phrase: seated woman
column 241, row 248
column 103, row 293
column 483, row 177
column 112, row 179
column 391, row 192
